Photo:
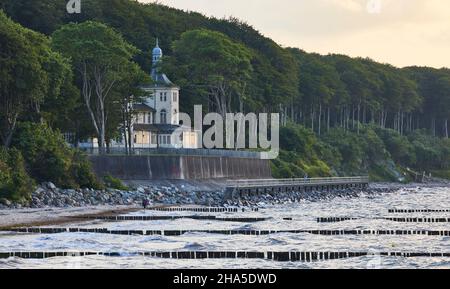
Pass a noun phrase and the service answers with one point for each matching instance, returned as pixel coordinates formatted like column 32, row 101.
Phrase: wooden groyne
column 229, row 232
column 204, row 209
column 274, row 256
column 409, row 211
column 399, row 220
column 171, row 218
column 240, row 188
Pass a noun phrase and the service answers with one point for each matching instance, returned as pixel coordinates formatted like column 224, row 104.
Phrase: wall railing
column 176, row 151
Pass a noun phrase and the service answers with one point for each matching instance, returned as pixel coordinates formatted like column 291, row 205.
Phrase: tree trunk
column 433, row 126
column 446, row 128
column 320, row 118
column 328, row 119
column 357, row 118
column 353, row 117
column 8, row 138
column 11, row 127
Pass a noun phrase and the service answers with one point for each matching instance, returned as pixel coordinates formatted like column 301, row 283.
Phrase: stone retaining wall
column 180, row 167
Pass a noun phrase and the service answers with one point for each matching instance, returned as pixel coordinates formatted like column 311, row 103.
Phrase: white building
column 156, row 121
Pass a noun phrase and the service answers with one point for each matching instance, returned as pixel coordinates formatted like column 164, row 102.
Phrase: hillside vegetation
column 340, row 115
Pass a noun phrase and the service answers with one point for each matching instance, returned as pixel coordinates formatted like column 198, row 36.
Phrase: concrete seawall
column 153, row 167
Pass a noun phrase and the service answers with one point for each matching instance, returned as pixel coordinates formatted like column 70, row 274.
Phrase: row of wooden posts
column 275, row 256
column 162, row 218
column 203, row 209
column 229, row 232
column 400, row 220
column 409, row 211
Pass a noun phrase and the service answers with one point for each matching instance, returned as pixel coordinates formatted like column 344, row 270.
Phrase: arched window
column 163, row 116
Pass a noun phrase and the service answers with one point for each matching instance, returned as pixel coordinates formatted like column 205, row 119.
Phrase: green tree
column 129, row 91
column 62, row 101
column 23, row 78
column 214, row 67
column 43, row 16
column 101, row 58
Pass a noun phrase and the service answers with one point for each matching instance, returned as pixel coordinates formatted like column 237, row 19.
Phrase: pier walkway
column 239, row 188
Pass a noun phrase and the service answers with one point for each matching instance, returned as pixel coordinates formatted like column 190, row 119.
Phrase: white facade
column 159, row 125
column 165, row 101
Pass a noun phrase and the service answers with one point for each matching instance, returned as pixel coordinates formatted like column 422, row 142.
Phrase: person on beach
column 145, row 203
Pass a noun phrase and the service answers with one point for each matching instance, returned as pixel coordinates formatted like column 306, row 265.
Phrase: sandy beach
column 51, row 216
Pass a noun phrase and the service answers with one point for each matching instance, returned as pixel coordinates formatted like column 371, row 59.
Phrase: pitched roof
column 162, row 128
column 161, row 80
column 143, row 107
column 144, row 127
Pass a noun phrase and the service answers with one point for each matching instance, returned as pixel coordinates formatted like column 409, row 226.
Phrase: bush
column 401, row 150
column 15, row 183
column 81, row 170
column 350, row 148
column 114, row 183
column 50, row 159
column 47, row 155
column 298, row 139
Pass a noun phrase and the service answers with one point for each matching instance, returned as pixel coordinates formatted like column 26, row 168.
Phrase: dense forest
column 340, row 115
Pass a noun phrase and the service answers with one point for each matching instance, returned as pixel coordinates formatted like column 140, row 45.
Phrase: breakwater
column 273, row 256
column 229, row 232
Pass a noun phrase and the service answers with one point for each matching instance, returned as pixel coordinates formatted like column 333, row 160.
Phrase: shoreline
column 29, row 217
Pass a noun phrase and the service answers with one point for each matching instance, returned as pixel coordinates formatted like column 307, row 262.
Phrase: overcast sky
column 400, row 32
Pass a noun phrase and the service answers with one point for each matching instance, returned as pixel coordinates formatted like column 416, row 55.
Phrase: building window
column 163, row 116
column 175, row 97
column 163, row 96
column 153, row 139
column 164, row 139
column 135, row 138
column 150, row 118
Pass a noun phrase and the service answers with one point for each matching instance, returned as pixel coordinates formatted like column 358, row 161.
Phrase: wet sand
column 53, row 216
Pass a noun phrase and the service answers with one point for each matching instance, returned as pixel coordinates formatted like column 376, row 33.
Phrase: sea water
column 368, row 209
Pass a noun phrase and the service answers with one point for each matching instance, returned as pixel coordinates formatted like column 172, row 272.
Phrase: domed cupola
column 158, row 77
column 157, row 53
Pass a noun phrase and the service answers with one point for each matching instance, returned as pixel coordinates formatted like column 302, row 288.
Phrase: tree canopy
column 102, row 60
column 212, row 68
column 30, row 72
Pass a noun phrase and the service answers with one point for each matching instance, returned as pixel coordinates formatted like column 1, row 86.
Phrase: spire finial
column 157, row 42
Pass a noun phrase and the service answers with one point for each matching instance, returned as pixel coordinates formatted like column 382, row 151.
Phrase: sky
column 399, row 32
